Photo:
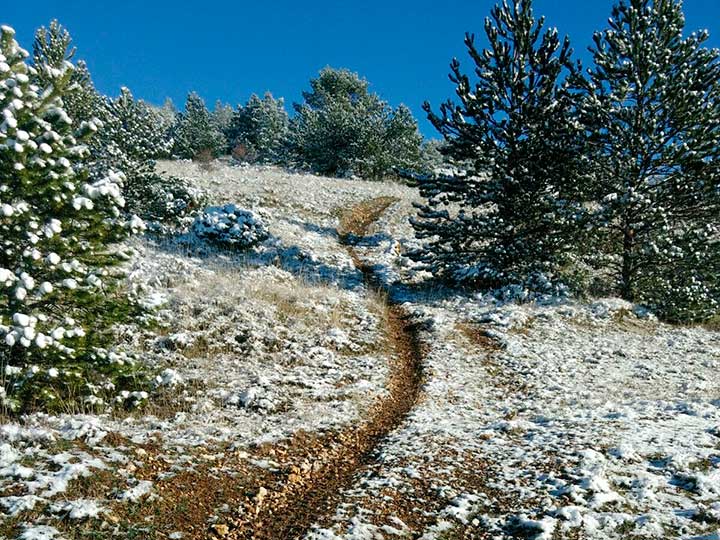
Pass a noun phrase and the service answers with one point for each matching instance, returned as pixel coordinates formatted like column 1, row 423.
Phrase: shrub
column 230, row 226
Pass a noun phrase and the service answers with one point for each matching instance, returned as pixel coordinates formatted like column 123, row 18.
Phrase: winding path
column 326, row 464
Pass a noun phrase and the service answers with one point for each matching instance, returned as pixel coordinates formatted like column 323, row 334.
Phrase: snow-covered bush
column 685, row 287
column 230, row 226
column 58, row 232
column 343, row 129
column 168, row 199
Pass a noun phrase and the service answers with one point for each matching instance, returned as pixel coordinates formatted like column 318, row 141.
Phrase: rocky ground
column 319, row 386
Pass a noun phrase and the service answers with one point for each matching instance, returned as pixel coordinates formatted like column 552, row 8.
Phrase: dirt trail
column 319, row 467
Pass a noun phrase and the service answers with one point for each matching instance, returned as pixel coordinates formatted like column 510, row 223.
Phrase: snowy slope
column 538, row 420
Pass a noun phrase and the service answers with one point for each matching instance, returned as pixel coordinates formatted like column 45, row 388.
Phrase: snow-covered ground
column 543, row 420
column 250, row 347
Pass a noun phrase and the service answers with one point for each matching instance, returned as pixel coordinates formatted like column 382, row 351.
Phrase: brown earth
column 321, row 466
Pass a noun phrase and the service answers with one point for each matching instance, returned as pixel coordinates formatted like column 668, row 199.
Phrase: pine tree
column 195, row 134
column 431, row 156
column 342, row 128
column 259, row 130
column 512, row 216
column 132, row 137
column 57, row 234
column 131, row 134
column 652, row 109
column 391, row 144
column 167, row 116
column 53, row 46
column 135, row 127
column 221, row 118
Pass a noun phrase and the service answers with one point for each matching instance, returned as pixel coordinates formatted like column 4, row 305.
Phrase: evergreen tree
column 167, row 116
column 510, row 217
column 431, row 155
column 221, row 118
column 53, row 47
column 131, row 134
column 57, row 232
column 135, row 127
column 652, row 109
column 259, row 130
column 390, row 143
column 195, row 134
column 132, row 137
column 342, row 128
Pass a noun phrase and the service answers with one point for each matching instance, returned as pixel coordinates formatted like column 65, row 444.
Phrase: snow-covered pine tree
column 195, row 135
column 509, row 218
column 221, row 118
column 132, row 137
column 391, row 144
column 53, row 46
column 131, row 134
column 432, row 158
column 259, row 130
column 652, row 108
column 167, row 115
column 57, row 236
column 136, row 128
column 342, row 128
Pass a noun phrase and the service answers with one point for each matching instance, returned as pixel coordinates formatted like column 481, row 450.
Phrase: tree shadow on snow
column 271, row 252
column 369, row 241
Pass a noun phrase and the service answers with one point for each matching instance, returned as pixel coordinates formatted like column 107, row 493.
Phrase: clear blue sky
column 227, row 49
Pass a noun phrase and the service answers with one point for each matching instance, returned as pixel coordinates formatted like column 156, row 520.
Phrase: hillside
column 317, row 386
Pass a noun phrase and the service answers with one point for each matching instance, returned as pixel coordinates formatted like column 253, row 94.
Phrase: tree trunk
column 627, row 286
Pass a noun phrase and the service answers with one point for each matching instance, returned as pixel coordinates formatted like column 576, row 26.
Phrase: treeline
column 603, row 180
column 340, row 129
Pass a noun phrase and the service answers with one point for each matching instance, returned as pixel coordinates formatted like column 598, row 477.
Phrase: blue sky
column 228, row 49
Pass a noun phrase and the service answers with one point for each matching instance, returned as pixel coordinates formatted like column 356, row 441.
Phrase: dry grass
column 295, row 300
column 205, row 158
column 713, row 324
